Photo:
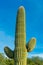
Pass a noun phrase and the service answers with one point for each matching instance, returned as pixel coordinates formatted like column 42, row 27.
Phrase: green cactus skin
column 31, row 44
column 21, row 48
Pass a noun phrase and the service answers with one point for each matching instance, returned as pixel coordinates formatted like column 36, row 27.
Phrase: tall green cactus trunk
column 21, row 48
column 20, row 38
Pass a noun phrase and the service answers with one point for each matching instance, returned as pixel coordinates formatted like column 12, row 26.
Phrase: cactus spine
column 21, row 48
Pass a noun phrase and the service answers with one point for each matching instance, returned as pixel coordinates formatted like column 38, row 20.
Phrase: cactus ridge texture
column 21, row 48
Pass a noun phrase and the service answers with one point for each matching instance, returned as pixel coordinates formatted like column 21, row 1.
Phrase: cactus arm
column 9, row 52
column 31, row 45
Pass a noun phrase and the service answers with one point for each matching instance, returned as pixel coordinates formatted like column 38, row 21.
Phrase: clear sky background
column 34, row 23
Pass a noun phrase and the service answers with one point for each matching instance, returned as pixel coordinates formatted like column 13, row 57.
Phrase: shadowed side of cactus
column 9, row 52
column 21, row 48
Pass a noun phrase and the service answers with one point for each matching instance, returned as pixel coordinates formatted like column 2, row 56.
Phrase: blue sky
column 34, row 23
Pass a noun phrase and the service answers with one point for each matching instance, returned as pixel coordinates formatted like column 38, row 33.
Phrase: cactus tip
column 21, row 7
column 33, row 38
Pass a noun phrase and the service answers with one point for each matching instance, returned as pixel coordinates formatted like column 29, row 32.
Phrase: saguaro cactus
column 21, row 48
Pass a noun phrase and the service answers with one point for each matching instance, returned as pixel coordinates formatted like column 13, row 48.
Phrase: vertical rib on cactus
column 21, row 48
